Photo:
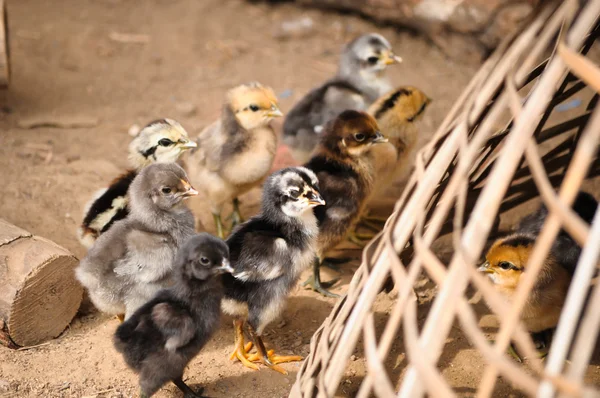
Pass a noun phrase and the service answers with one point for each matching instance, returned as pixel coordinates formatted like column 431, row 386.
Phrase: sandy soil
column 65, row 65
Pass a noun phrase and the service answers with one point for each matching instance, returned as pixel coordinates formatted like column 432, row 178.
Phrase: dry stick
column 584, row 24
column 588, row 333
column 440, row 318
column 584, row 155
column 421, row 359
column 375, row 368
column 576, row 297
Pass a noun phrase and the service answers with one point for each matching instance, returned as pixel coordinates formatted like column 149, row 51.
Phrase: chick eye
column 359, row 137
column 166, row 190
column 254, row 108
column 505, row 265
column 165, row 142
column 294, row 193
column 204, row 260
column 372, row 60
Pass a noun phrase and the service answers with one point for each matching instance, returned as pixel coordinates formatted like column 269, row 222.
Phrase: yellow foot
column 242, row 354
column 274, row 360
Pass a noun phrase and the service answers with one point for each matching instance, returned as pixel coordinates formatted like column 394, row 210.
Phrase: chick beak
column 391, row 58
column 188, row 145
column 274, row 112
column 315, row 199
column 379, row 138
column 225, row 267
column 190, row 192
column 485, row 268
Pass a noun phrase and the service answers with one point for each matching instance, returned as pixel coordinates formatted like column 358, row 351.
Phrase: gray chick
column 129, row 263
column 360, row 80
column 165, row 334
column 268, row 254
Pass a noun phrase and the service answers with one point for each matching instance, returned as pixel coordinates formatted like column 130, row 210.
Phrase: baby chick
column 163, row 335
column 346, row 179
column 236, row 153
column 268, row 254
column 133, row 260
column 506, row 261
column 360, row 80
column 397, row 114
column 162, row 141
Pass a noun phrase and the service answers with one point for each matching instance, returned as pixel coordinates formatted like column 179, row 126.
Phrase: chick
column 360, row 80
column 397, row 114
column 236, row 153
column 268, row 254
column 346, row 179
column 133, row 260
column 163, row 335
column 162, row 141
column 506, row 261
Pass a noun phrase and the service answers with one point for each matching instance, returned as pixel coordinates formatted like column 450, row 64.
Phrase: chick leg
column 187, row 391
column 314, row 282
column 219, row 225
column 241, row 351
column 236, row 216
column 269, row 358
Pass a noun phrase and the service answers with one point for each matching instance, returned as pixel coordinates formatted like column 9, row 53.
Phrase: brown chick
column 398, row 114
column 345, row 178
column 507, row 261
column 236, row 152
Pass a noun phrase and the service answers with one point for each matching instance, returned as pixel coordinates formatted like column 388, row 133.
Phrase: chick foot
column 314, row 282
column 241, row 350
column 269, row 358
column 372, row 225
column 187, row 391
column 219, row 226
column 333, row 262
column 359, row 239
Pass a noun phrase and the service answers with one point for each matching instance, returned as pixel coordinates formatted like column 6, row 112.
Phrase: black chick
column 345, row 175
column 166, row 333
column 268, row 253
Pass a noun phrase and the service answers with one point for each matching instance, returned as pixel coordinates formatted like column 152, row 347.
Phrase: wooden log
column 39, row 295
column 4, row 46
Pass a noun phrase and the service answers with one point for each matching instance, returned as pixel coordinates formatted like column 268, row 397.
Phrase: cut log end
column 39, row 295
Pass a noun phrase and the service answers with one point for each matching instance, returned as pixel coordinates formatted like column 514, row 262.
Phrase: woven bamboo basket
column 505, row 142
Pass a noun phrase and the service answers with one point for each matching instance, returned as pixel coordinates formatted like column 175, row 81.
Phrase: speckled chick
column 236, row 153
column 345, row 178
column 165, row 334
column 359, row 82
column 268, row 254
column 161, row 141
column 134, row 259
column 506, row 261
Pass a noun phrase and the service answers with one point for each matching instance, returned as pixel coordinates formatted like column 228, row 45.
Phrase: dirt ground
column 66, row 64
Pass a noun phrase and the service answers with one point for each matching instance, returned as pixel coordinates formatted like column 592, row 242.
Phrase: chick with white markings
column 165, row 334
column 268, row 254
column 134, row 259
column 161, row 141
column 360, row 80
column 236, row 153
